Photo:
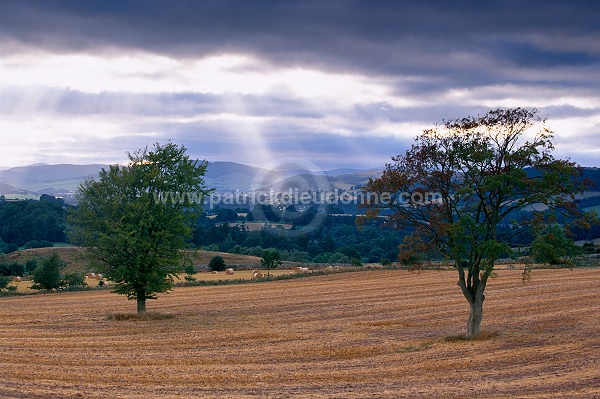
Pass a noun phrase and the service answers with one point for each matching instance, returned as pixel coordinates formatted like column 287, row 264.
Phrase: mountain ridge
column 221, row 175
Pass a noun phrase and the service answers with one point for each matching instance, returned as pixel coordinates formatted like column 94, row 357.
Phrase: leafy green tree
column 217, row 264
column 553, row 245
column 136, row 218
column 47, row 275
column 271, row 258
column 461, row 180
column 5, row 285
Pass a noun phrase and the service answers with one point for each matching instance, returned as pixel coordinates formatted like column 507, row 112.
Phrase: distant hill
column 231, row 175
column 224, row 176
column 8, row 189
column 49, row 179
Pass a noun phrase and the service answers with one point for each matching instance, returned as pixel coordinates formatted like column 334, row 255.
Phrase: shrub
column 217, row 264
column 5, row 285
column 385, row 262
column 72, row 281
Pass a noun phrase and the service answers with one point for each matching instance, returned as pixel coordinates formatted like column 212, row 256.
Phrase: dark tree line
column 27, row 221
column 332, row 239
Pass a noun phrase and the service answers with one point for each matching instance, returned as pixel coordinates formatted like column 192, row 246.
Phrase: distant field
column 77, row 262
column 23, row 286
column 21, row 196
column 372, row 334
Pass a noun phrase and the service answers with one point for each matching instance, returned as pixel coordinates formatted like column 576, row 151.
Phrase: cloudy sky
column 335, row 83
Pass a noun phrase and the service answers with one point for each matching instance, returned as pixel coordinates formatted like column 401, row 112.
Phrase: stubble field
column 372, row 334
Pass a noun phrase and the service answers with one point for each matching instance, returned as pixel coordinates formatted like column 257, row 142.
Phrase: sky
column 323, row 83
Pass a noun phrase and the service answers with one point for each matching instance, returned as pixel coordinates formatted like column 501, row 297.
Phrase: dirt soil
column 372, row 334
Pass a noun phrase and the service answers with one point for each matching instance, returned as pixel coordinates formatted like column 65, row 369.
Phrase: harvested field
column 372, row 334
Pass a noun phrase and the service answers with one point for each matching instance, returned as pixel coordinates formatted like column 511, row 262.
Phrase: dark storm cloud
column 446, row 59
column 384, row 37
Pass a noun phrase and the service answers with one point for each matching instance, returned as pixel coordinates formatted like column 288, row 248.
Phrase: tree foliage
column 217, row 264
column 132, row 226
column 271, row 259
column 553, row 245
column 30, row 220
column 47, row 275
column 464, row 180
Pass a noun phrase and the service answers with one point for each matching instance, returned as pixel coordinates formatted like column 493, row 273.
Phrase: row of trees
column 334, row 236
column 46, row 276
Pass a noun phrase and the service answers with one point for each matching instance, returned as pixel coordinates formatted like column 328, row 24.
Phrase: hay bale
column 229, row 271
column 256, row 274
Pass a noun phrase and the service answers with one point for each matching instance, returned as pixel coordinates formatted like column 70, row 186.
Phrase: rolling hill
column 223, row 176
column 77, row 262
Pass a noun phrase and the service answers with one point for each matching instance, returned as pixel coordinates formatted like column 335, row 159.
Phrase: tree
column 553, row 245
column 136, row 218
column 464, row 179
column 271, row 258
column 47, row 275
column 217, row 264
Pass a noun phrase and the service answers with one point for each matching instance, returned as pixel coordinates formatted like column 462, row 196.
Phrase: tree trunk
column 141, row 305
column 475, row 316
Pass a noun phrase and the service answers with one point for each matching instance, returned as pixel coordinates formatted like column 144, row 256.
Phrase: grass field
column 372, row 334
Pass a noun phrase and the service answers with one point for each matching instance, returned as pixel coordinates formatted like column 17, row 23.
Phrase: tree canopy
column 136, row 218
column 461, row 188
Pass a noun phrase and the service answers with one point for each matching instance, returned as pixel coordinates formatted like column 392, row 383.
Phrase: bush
column 385, row 262
column 217, row 264
column 5, row 285
column 356, row 262
column 72, row 281
column 212, row 248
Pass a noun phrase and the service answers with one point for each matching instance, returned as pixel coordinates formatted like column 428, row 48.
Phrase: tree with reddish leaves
column 463, row 187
